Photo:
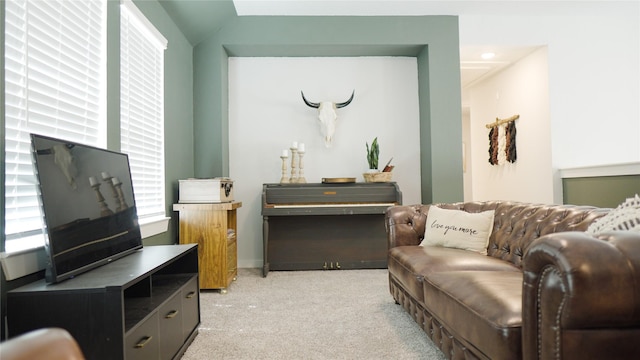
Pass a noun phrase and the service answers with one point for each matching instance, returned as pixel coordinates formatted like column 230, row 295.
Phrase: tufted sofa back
column 515, row 224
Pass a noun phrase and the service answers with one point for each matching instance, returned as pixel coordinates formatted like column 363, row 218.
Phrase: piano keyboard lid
column 357, row 194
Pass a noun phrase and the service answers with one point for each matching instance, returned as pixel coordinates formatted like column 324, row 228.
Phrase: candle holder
column 106, row 177
column 122, row 204
column 284, row 179
column 104, row 209
column 294, row 175
column 301, row 178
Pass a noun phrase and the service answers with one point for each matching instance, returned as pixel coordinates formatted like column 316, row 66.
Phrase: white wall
column 266, row 114
column 521, row 89
column 594, row 81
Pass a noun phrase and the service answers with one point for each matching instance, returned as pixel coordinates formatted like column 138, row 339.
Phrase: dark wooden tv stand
column 145, row 305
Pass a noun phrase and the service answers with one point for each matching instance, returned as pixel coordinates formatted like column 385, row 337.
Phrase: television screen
column 88, row 203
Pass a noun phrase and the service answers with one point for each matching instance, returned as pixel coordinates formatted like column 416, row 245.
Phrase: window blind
column 142, row 108
column 55, row 84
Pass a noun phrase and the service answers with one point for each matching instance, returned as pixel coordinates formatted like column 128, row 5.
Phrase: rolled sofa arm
column 581, row 296
column 45, row 343
column 405, row 224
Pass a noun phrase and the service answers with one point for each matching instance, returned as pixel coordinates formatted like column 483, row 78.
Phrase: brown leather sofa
column 545, row 290
column 42, row 344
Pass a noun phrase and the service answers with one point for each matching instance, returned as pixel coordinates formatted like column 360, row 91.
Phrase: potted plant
column 372, row 154
column 375, row 175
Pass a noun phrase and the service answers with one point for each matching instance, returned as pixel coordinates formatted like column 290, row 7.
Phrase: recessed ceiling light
column 488, row 55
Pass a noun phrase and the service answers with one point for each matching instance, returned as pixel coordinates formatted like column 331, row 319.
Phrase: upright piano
column 326, row 226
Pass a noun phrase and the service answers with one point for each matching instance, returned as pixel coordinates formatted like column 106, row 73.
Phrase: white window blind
column 55, row 84
column 142, row 108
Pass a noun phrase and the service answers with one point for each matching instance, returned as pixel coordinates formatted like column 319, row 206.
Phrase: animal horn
column 309, row 103
column 343, row 104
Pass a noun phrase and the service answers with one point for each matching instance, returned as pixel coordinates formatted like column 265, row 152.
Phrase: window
column 55, row 84
column 142, row 108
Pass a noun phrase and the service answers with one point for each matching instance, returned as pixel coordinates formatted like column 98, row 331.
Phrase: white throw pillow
column 458, row 229
column 624, row 217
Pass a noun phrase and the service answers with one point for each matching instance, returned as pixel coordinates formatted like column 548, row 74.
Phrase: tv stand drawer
column 170, row 326
column 144, row 341
column 190, row 308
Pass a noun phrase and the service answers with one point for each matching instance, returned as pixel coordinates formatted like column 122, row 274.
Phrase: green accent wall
column 178, row 111
column 432, row 39
column 600, row 191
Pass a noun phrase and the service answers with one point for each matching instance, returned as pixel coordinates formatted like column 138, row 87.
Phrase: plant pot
column 377, row 176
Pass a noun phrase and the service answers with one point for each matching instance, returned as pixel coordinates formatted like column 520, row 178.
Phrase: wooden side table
column 213, row 227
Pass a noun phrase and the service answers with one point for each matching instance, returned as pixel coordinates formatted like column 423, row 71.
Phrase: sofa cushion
column 483, row 309
column 410, row 264
column 625, row 216
column 458, row 229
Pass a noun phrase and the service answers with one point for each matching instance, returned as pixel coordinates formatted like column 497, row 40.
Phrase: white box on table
column 213, row 190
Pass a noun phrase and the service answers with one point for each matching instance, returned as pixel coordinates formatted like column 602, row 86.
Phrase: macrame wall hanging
column 502, row 141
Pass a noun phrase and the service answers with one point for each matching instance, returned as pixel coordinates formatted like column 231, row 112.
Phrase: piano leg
column 265, row 245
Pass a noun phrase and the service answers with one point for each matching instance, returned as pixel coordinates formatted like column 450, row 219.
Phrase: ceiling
column 199, row 18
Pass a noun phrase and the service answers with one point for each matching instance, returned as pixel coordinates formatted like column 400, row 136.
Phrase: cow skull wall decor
column 327, row 116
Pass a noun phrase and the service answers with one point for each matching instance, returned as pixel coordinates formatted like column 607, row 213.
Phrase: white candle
column 105, row 175
column 301, row 147
column 285, row 153
column 93, row 181
column 294, row 145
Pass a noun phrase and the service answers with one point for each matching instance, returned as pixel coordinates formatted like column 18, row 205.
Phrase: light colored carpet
column 339, row 314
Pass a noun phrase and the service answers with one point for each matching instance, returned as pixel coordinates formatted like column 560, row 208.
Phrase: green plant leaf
column 372, row 154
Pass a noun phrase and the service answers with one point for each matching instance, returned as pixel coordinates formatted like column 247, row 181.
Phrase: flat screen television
column 88, row 203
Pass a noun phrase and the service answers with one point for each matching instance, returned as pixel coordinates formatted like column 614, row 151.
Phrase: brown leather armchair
column 42, row 344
